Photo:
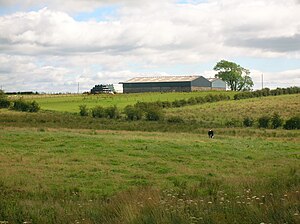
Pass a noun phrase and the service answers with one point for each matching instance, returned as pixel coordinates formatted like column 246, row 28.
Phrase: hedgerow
column 267, row 92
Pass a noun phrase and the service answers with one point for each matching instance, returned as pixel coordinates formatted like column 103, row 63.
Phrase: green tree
column 235, row 76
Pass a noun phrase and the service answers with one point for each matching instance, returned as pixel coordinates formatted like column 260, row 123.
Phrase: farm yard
column 60, row 167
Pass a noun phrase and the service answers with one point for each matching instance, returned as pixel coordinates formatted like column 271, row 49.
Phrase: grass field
column 71, row 103
column 61, row 176
column 59, row 167
column 217, row 114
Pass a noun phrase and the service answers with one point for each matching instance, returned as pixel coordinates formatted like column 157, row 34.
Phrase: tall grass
column 55, row 176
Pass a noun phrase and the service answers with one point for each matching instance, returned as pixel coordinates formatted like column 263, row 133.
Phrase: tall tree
column 235, row 76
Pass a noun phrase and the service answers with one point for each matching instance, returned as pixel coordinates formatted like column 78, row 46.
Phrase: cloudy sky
column 51, row 45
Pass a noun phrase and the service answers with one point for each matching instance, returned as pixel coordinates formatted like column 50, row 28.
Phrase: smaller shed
column 217, row 84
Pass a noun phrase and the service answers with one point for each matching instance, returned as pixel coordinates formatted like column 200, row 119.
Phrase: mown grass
column 89, row 176
column 71, row 103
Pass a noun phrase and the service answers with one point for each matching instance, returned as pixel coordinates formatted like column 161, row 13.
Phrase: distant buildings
column 103, row 89
column 172, row 84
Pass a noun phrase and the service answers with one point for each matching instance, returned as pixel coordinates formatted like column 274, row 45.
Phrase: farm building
column 217, row 84
column 168, row 84
column 102, row 89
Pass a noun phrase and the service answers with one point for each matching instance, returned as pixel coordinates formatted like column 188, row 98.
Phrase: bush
column 98, row 112
column 276, row 121
column 248, row 122
column 192, row 101
column 292, row 123
column 4, row 103
column 112, row 112
column 33, row 107
column 154, row 113
column 21, row 105
column 83, row 110
column 200, row 99
column 263, row 122
column 133, row 113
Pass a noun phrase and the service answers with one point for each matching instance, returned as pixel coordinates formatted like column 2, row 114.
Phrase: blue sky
column 50, row 46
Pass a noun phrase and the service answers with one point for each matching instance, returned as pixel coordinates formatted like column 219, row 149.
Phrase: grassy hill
column 220, row 113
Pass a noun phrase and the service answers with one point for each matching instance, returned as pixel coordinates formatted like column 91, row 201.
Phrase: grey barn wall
column 157, row 87
column 201, row 82
column 218, row 84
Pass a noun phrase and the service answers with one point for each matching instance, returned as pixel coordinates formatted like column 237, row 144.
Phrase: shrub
column 112, row 112
column 154, row 113
column 276, row 121
column 248, row 122
column 200, row 99
column 4, row 103
column 33, row 107
column 83, row 110
column 209, row 98
column 192, row 101
column 98, row 111
column 263, row 122
column 292, row 123
column 21, row 105
column 133, row 113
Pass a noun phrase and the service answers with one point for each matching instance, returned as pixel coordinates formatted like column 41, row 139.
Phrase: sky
column 51, row 45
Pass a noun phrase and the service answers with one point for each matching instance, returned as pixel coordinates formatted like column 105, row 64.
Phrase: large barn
column 171, row 84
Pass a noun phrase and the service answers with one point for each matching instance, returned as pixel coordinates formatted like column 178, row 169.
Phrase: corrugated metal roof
column 212, row 79
column 163, row 79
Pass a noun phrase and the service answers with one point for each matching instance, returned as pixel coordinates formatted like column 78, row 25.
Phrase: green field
column 71, row 103
column 59, row 167
column 217, row 114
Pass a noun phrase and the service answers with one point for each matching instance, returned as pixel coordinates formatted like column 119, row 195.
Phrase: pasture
column 71, row 103
column 59, row 167
column 67, row 176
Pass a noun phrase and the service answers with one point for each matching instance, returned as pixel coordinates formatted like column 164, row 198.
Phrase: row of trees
column 19, row 104
column 275, row 121
column 267, row 92
column 141, row 110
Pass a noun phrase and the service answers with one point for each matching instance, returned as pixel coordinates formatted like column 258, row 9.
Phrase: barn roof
column 212, row 79
column 162, row 79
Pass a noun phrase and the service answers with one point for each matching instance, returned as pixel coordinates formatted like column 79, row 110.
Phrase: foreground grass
column 88, row 176
column 71, row 103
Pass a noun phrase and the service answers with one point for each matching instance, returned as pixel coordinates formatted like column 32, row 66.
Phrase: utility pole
column 262, row 81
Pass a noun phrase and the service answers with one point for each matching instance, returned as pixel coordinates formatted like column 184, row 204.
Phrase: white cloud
column 50, row 42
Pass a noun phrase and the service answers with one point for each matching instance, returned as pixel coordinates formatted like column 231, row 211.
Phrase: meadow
column 59, row 167
column 84, row 176
column 71, row 103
